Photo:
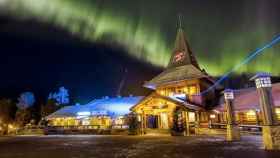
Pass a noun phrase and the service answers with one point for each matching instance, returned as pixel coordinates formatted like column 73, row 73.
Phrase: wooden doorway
column 152, row 121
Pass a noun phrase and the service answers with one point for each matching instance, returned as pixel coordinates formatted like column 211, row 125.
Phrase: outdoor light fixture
column 262, row 80
column 228, row 93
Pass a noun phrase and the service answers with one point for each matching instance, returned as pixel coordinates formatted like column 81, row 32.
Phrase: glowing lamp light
column 212, row 116
column 228, row 93
column 277, row 111
column 262, row 80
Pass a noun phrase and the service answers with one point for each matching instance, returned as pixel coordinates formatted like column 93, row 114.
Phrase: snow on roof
column 106, row 106
column 246, row 99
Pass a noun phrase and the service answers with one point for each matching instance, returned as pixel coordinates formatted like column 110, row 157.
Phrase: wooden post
column 257, row 118
column 233, row 133
column 270, row 129
column 187, row 123
column 197, row 122
column 141, row 123
column 144, row 123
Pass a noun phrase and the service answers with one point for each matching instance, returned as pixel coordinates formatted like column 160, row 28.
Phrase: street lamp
column 262, row 80
column 228, row 94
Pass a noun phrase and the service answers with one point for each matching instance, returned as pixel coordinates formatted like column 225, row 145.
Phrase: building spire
column 180, row 21
column 182, row 54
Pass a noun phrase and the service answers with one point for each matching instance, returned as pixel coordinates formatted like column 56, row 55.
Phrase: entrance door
column 152, row 121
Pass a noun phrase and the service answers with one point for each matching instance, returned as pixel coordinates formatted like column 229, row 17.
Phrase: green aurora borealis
column 221, row 34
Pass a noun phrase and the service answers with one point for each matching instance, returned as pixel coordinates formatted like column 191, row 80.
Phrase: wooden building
column 180, row 89
column 247, row 108
column 177, row 89
column 178, row 99
column 105, row 113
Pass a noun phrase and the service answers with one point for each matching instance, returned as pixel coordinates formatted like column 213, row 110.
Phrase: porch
column 156, row 116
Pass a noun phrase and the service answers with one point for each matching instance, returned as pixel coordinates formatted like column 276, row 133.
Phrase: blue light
column 245, row 61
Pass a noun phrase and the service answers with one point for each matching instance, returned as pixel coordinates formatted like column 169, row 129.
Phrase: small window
column 191, row 117
column 251, row 115
column 277, row 111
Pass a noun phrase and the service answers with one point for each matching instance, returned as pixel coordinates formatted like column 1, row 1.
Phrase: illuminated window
column 85, row 122
column 119, row 121
column 192, row 90
column 277, row 111
column 191, row 117
column 212, row 116
column 186, row 90
column 162, row 92
column 164, row 120
column 251, row 115
column 171, row 93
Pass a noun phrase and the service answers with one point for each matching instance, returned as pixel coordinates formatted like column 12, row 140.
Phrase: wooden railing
column 242, row 126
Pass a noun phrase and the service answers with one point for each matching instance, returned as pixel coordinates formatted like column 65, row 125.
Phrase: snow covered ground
column 80, row 146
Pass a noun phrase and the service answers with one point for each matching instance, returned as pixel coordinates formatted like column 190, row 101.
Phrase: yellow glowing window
column 212, row 116
column 119, row 121
column 186, row 90
column 251, row 115
column 277, row 111
column 192, row 90
column 171, row 93
column 191, row 117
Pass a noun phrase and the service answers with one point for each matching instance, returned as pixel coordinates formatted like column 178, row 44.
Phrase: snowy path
column 130, row 147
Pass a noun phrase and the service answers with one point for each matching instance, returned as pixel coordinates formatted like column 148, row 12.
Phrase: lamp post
column 233, row 133
column 270, row 130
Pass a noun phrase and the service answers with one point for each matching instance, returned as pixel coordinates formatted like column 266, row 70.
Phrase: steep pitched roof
column 182, row 65
column 176, row 74
column 182, row 54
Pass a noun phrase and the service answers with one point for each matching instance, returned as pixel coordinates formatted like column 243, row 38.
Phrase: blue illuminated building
column 99, row 113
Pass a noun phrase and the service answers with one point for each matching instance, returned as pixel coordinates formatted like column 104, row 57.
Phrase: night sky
column 85, row 45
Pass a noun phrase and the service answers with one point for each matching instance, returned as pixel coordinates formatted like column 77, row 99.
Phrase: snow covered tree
column 26, row 100
column 61, row 97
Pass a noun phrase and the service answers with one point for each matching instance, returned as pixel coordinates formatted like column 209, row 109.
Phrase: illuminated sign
column 99, row 112
column 83, row 113
column 228, row 94
column 179, row 57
